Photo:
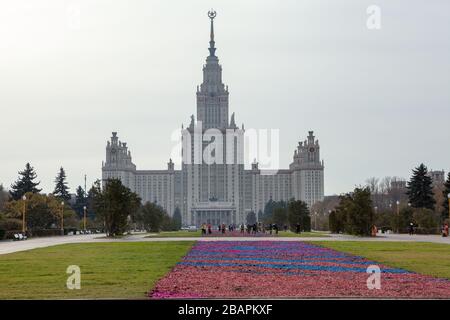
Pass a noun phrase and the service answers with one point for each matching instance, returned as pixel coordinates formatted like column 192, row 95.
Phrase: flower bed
column 273, row 269
column 238, row 233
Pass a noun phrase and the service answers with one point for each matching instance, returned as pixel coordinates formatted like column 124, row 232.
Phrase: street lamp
column 315, row 220
column 398, row 216
column 84, row 218
column 62, row 218
column 24, row 225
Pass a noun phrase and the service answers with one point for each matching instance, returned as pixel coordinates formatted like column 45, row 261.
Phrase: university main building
column 216, row 188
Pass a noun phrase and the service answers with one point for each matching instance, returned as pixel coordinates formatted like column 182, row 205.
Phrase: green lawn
column 176, row 234
column 422, row 257
column 108, row 270
column 289, row 234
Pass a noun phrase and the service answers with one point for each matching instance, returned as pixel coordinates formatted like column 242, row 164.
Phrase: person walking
column 445, row 230
column 374, row 231
column 411, row 228
column 209, row 228
column 203, row 227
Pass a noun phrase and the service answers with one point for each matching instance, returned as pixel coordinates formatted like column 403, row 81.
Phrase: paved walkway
column 16, row 246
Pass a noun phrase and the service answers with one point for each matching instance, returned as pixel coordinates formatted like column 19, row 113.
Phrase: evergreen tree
column 298, row 213
column 151, row 216
column 420, row 189
column 359, row 212
column 259, row 216
column 446, row 192
column 61, row 189
column 280, row 216
column 80, row 201
column 177, row 219
column 114, row 203
column 25, row 183
column 250, row 218
column 269, row 210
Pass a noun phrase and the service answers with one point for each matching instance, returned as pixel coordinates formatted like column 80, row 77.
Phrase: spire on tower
column 212, row 14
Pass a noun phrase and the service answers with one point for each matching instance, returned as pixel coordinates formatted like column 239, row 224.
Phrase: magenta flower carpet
column 277, row 269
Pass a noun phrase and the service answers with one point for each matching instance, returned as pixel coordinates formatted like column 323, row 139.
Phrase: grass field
column 426, row 258
column 108, row 270
column 197, row 234
column 176, row 234
column 289, row 234
column 130, row 269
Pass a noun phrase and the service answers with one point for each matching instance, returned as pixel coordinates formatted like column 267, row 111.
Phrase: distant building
column 217, row 192
column 438, row 177
column 398, row 184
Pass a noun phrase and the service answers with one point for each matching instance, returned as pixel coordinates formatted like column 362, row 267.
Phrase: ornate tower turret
column 212, row 95
column 307, row 171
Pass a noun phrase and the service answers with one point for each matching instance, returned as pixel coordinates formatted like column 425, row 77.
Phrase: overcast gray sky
column 378, row 100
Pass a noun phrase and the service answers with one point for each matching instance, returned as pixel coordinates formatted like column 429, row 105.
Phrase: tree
column 151, row 216
column 177, row 219
column 260, row 215
column 445, row 193
column 427, row 220
column 354, row 215
column 420, row 189
column 25, row 183
column 114, row 203
column 250, row 219
column 298, row 213
column 80, row 201
column 360, row 215
column 4, row 197
column 280, row 216
column 335, row 222
column 269, row 209
column 167, row 223
column 61, row 189
column 42, row 212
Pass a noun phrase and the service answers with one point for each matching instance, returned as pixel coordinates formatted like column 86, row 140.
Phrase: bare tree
column 373, row 184
column 386, row 185
column 4, row 197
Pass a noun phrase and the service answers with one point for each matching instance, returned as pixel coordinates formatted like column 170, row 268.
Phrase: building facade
column 216, row 188
column 437, row 176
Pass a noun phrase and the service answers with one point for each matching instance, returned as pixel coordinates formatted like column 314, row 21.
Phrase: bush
column 354, row 215
column 2, row 234
column 11, row 224
column 46, row 232
column 427, row 220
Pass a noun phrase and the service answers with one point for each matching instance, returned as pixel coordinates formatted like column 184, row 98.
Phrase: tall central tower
column 212, row 94
column 213, row 189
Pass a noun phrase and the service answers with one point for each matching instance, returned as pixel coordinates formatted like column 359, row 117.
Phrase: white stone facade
column 217, row 192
